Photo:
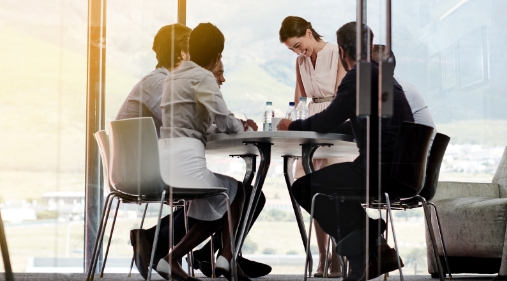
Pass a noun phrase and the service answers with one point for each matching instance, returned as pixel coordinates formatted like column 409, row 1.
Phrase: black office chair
column 428, row 192
column 434, row 162
column 407, row 173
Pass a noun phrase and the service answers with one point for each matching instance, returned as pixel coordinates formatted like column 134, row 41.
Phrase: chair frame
column 417, row 202
column 121, row 198
column 388, row 209
column 170, row 192
column 414, row 202
column 381, row 204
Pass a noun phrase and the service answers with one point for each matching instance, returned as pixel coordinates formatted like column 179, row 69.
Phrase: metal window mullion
column 95, row 107
column 182, row 12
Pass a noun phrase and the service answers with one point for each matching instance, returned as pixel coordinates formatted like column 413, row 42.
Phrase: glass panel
column 449, row 50
column 131, row 28
column 258, row 68
column 42, row 129
column 452, row 52
column 455, row 61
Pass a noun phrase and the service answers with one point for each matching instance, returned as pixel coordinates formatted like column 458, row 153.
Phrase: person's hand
column 283, row 125
column 245, row 124
column 252, row 124
column 248, row 123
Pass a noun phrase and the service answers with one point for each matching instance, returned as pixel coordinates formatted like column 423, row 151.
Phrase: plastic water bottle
column 302, row 109
column 291, row 113
column 268, row 117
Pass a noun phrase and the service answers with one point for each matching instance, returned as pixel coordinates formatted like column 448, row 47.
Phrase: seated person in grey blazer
column 144, row 101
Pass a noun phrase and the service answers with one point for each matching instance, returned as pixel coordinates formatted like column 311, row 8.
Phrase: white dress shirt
column 418, row 106
column 191, row 101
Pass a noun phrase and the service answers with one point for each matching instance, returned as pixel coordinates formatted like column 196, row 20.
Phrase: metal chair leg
column 90, row 266
column 232, row 239
column 427, row 215
column 156, row 233
column 441, row 239
column 5, row 252
column 326, row 263
column 309, row 235
column 213, row 275
column 190, row 256
column 140, row 227
column 144, row 215
column 110, row 237
column 100, row 234
column 386, row 275
column 394, row 234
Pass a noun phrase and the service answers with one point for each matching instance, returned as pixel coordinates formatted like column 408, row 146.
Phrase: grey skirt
column 183, row 163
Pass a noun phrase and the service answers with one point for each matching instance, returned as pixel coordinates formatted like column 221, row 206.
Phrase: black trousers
column 179, row 229
column 339, row 213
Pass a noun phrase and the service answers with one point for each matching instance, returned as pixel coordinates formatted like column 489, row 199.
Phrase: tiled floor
column 274, row 277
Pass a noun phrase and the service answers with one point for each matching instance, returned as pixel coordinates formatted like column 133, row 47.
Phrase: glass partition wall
column 131, row 28
column 451, row 51
column 42, row 129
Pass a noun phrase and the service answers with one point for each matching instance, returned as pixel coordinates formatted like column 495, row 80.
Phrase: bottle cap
column 269, row 103
column 291, row 103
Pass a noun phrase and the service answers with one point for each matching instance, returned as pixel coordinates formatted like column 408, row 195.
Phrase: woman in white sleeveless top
column 318, row 74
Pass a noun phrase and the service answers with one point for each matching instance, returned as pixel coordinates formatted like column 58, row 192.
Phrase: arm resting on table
column 339, row 110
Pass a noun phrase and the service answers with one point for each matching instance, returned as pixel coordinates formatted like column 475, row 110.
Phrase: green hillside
column 481, row 132
column 249, row 87
column 43, row 105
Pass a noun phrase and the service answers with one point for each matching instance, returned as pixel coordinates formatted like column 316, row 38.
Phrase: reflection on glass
column 449, row 68
column 452, row 51
column 42, row 100
column 473, row 58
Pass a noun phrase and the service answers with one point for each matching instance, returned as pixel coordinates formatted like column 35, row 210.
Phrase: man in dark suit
column 341, row 215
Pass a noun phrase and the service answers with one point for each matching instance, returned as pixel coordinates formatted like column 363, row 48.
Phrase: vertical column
column 363, row 92
column 366, row 106
column 95, row 98
column 386, row 70
column 182, row 12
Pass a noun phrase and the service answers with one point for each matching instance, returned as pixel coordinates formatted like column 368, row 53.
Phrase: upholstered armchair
column 473, row 217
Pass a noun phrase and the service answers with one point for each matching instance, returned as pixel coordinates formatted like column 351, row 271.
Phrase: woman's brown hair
column 296, row 27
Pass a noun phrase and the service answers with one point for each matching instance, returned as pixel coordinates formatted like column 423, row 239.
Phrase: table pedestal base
column 288, row 163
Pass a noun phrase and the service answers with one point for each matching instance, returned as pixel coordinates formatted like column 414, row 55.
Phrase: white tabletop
column 285, row 143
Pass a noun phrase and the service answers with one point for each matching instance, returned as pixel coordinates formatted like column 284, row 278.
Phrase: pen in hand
column 249, row 128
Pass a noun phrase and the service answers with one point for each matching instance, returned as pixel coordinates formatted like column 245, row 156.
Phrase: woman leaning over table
column 191, row 101
column 318, row 74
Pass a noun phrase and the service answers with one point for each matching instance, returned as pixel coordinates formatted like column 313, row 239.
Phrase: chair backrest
column 103, row 141
column 433, row 168
column 409, row 160
column 135, row 166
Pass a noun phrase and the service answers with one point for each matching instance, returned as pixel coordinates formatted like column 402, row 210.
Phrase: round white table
column 286, row 144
